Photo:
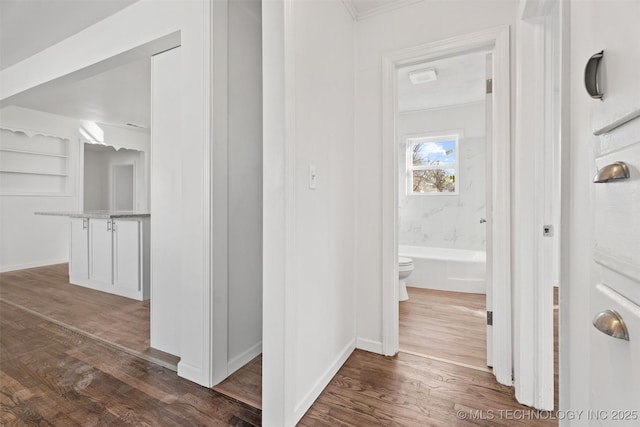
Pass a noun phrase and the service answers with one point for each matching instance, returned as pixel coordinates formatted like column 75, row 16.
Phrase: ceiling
column 119, row 96
column 461, row 80
column 29, row 26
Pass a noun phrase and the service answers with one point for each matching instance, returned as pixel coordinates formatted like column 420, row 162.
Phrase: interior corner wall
column 244, row 182
column 309, row 319
column 29, row 240
column 416, row 24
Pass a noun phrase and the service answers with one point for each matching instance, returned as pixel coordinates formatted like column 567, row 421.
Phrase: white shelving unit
column 33, row 163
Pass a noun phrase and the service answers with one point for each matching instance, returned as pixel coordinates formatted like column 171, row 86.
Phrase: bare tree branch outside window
column 432, row 170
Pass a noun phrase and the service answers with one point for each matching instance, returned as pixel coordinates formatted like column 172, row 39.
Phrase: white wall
column 166, row 197
column 309, row 309
column 96, row 181
column 98, row 176
column 115, row 40
column 29, row 240
column 245, row 181
column 446, row 221
column 420, row 23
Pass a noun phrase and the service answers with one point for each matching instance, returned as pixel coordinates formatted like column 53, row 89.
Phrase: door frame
column 538, row 200
column 497, row 41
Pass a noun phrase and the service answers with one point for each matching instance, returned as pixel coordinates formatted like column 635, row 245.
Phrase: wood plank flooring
column 407, row 390
column 245, row 384
column 445, row 325
column 52, row 376
column 112, row 318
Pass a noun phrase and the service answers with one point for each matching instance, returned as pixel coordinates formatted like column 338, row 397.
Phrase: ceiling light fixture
column 423, row 76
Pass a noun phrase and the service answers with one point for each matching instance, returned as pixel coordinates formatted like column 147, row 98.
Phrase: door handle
column 108, row 225
column 610, row 323
column 612, row 172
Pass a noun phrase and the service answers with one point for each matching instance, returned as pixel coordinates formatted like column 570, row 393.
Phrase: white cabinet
column 100, row 251
column 127, row 259
column 79, row 248
column 114, row 254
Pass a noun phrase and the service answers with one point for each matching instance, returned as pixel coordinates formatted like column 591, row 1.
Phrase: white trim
column 34, row 264
column 369, row 345
column 307, row 400
column 498, row 40
column 533, row 255
column 443, row 107
column 348, row 4
column 244, row 358
column 219, row 237
column 388, row 7
column 279, row 258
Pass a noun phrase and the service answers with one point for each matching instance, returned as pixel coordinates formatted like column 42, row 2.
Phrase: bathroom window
column 432, row 165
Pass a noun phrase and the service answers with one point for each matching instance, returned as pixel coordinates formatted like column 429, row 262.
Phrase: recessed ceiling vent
column 423, row 76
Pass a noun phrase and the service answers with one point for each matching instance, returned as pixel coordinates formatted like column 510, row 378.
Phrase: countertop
column 99, row 214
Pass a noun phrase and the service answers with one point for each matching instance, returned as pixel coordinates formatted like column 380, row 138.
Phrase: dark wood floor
column 445, row 325
column 50, row 375
column 408, row 390
column 245, row 384
column 46, row 291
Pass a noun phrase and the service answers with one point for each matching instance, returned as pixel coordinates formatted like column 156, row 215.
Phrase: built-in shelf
column 27, row 172
column 12, row 150
column 34, row 163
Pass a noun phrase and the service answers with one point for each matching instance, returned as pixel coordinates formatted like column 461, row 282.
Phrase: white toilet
column 405, row 267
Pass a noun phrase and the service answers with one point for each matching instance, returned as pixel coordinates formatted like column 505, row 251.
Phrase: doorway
column 498, row 240
column 443, row 131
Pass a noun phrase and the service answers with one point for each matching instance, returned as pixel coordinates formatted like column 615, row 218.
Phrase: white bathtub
column 446, row 269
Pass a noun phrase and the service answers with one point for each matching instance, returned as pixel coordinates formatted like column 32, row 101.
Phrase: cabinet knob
column 610, row 323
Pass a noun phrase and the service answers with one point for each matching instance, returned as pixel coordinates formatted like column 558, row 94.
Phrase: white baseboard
column 369, row 345
column 192, row 373
column 34, row 264
column 305, row 403
column 244, row 358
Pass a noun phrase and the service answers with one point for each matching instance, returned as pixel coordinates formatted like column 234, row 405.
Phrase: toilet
column 405, row 267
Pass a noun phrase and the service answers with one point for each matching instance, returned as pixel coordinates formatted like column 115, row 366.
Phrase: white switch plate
column 313, row 177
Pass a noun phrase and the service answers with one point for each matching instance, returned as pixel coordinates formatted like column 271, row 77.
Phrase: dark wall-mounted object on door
column 591, row 77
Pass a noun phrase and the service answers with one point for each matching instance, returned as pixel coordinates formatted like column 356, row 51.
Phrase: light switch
column 313, row 177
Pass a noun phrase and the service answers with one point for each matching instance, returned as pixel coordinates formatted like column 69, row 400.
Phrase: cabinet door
column 79, row 250
column 100, row 251
column 126, row 254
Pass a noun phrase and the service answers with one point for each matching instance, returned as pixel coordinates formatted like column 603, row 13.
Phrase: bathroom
column 442, row 197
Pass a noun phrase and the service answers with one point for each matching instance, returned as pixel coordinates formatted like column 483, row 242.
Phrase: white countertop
column 99, row 214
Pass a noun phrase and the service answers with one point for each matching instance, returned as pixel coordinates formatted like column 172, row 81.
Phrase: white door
column 79, row 250
column 126, row 254
column 615, row 209
column 100, row 251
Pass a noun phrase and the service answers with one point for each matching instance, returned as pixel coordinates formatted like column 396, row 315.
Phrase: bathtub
column 446, row 269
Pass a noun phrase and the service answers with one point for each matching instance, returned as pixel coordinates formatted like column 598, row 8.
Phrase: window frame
column 413, row 140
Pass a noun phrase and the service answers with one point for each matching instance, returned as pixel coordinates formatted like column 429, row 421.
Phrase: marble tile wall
column 447, row 221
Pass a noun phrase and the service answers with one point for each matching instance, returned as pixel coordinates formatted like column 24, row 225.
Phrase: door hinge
column 489, row 318
column 489, row 85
